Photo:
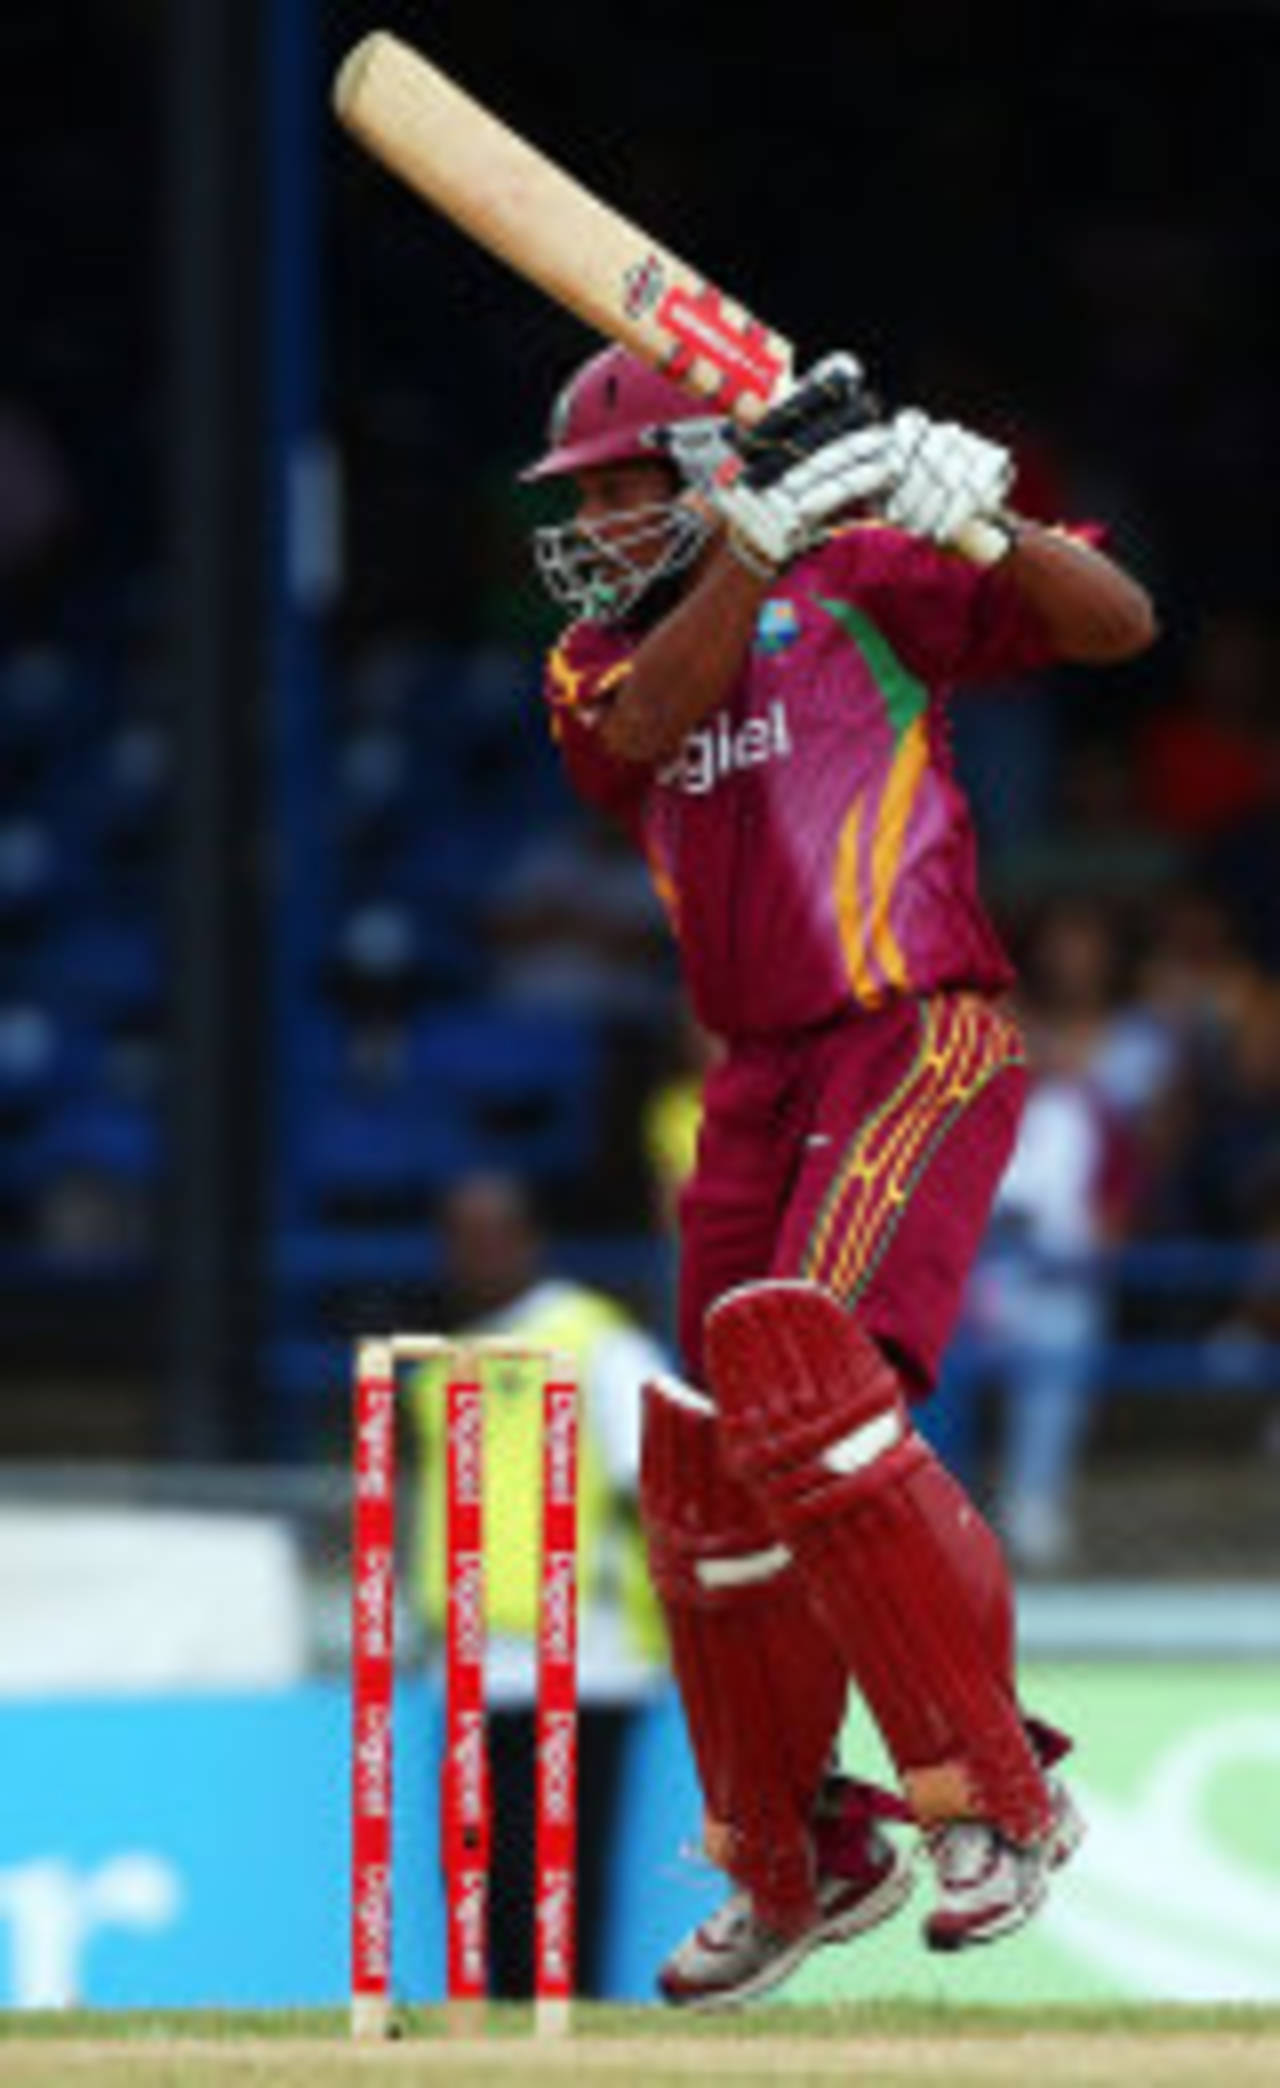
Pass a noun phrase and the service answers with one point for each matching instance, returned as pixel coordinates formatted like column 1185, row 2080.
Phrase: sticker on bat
column 739, row 350
column 642, row 286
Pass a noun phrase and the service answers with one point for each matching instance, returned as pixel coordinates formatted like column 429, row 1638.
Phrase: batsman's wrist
column 760, row 523
column 750, row 556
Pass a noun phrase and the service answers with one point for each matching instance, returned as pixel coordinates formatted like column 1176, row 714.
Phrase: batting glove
column 778, row 485
column 794, row 513
column 832, row 400
column 942, row 477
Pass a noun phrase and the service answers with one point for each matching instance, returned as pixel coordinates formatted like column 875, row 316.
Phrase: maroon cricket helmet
column 612, row 411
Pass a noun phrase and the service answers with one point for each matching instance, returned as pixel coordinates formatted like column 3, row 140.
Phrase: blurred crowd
column 492, row 981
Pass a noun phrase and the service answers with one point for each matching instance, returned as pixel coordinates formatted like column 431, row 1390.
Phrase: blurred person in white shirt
column 1041, row 1301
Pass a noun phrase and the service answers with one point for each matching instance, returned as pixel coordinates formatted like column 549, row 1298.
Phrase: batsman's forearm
column 1092, row 609
column 685, row 667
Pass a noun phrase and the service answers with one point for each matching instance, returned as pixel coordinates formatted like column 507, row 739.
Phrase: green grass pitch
column 869, row 2044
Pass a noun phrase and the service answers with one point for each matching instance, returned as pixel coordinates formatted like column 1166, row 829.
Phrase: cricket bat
column 513, row 200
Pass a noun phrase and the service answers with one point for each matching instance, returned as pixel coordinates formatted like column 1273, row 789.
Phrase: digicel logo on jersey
column 721, row 749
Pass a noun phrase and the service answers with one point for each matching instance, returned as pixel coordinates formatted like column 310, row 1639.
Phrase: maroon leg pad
column 907, row 1576
column 762, row 1684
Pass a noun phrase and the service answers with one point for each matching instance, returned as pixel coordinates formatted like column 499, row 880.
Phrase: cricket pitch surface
column 874, row 2045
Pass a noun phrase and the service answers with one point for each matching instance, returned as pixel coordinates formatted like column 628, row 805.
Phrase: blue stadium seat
column 473, row 1087
column 366, row 1146
column 105, row 967
column 102, row 1136
column 525, row 1088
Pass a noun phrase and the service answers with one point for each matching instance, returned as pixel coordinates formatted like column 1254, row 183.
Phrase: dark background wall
column 1060, row 223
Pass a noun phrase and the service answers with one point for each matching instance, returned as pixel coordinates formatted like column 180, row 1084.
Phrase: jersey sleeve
column 583, row 675
column 949, row 620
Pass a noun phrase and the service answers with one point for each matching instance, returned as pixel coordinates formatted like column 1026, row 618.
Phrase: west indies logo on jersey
column 777, row 627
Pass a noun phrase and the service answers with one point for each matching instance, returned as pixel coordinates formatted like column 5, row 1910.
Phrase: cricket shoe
column 988, row 1886
column 863, row 1878
column 1066, row 1824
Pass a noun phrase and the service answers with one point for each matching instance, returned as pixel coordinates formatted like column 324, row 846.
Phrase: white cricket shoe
column 988, row 1886
column 732, row 1957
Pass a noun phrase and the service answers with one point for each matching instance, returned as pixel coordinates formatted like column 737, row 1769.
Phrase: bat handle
column 983, row 543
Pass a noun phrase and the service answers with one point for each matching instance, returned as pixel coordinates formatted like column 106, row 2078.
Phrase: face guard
column 600, row 570
column 615, row 410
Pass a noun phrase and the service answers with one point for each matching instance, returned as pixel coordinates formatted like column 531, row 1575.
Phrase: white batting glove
column 770, row 527
column 943, row 477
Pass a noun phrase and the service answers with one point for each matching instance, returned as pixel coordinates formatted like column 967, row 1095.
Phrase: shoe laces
column 963, row 1851
column 731, row 1920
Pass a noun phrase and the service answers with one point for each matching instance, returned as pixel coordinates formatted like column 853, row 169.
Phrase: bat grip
column 983, row 543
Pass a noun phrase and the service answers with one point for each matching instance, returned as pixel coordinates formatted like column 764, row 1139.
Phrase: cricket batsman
column 766, row 634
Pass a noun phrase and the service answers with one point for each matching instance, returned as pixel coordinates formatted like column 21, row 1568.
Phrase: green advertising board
column 1174, row 1896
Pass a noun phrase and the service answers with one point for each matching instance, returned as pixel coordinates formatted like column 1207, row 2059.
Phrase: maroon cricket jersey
column 810, row 841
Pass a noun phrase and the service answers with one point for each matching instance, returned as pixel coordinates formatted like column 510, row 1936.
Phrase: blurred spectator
column 498, row 1285
column 1197, row 986
column 1234, row 1159
column 1084, row 1020
column 1039, row 1307
column 1197, row 975
column 1040, row 1303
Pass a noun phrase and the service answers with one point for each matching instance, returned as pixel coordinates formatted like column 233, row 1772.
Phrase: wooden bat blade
column 513, row 200
column 510, row 198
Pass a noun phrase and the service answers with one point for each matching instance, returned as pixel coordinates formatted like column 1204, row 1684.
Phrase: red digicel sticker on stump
column 741, row 352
